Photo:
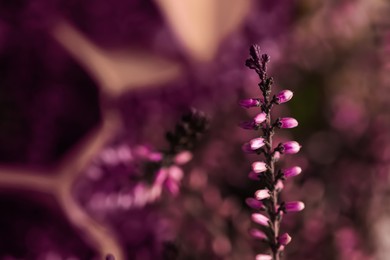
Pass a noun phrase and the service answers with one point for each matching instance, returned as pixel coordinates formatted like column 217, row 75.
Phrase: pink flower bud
column 258, row 167
column 284, row 239
column 172, row 186
column 291, row 172
column 257, row 234
column 260, row 118
column 262, row 194
column 250, row 102
column 161, row 176
column 155, row 156
column 248, row 125
column 260, row 219
column 246, row 148
column 290, row 147
column 263, row 257
column 182, row 157
column 254, row 203
column 284, row 96
column 175, row 173
column 254, row 176
column 256, row 143
column 294, row 206
column 276, row 156
column 279, row 185
column 287, row 122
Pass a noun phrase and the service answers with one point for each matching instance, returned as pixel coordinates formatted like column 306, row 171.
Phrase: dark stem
column 272, row 211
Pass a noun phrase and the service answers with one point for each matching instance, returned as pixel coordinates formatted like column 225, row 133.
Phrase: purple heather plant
column 270, row 179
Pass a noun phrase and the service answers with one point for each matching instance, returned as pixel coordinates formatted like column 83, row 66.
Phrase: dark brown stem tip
column 254, row 51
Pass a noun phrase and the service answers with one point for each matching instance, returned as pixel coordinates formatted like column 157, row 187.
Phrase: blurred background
column 89, row 89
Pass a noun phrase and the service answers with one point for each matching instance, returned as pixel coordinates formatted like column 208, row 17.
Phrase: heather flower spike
column 269, row 178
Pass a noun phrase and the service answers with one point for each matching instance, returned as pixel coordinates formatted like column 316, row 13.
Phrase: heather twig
column 269, row 177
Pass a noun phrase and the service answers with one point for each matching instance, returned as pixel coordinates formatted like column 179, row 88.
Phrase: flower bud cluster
column 269, row 210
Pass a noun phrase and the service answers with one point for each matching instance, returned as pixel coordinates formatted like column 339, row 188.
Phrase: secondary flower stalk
column 266, row 199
